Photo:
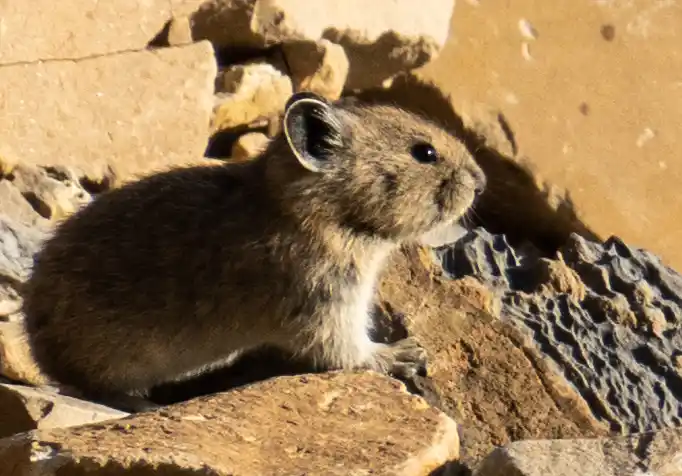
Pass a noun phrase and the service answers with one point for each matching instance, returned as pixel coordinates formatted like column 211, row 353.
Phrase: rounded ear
column 313, row 130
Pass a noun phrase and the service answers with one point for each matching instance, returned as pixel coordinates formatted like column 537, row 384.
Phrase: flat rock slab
column 45, row 30
column 336, row 424
column 134, row 112
column 644, row 454
column 24, row 408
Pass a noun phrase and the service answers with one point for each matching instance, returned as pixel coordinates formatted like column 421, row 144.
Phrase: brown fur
column 183, row 270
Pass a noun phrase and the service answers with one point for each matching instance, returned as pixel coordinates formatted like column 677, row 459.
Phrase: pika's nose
column 480, row 181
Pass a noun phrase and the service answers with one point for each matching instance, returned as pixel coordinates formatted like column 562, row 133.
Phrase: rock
column 86, row 114
column 249, row 146
column 320, row 67
column 16, row 207
column 77, row 28
column 24, row 408
column 18, row 243
column 615, row 181
column 381, row 39
column 16, row 362
column 179, row 31
column 337, row 423
column 609, row 320
column 249, row 93
column 480, row 371
column 54, row 192
column 655, row 453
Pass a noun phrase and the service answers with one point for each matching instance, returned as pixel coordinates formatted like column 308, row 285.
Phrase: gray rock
column 614, row 333
column 655, row 453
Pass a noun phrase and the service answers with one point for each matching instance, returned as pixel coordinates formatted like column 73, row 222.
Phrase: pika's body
column 182, row 271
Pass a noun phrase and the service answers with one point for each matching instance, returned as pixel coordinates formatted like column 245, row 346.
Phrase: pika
column 184, row 270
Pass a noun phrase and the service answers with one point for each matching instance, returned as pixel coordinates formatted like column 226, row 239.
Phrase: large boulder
column 336, row 424
column 46, row 30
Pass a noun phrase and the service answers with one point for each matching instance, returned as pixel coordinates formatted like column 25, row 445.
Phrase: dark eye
column 424, row 153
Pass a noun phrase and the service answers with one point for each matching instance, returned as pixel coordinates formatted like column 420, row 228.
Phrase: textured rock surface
column 315, row 424
column 559, row 74
column 320, row 67
column 18, row 243
column 658, row 453
column 25, row 408
column 480, row 372
column 607, row 316
column 381, row 39
column 31, row 200
column 249, row 93
column 45, row 30
column 53, row 192
column 90, row 114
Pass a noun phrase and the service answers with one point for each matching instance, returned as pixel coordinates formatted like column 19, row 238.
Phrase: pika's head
column 377, row 169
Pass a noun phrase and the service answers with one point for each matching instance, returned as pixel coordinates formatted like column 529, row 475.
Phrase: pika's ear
column 313, row 130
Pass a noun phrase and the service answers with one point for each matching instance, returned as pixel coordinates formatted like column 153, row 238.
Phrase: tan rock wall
column 592, row 92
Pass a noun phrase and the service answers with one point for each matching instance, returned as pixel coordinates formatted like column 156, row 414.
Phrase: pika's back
column 127, row 246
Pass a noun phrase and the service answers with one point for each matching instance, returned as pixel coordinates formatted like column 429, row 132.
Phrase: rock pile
column 550, row 352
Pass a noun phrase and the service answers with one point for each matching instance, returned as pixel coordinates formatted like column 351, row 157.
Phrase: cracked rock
column 132, row 112
column 47, row 30
column 336, row 424
column 381, row 39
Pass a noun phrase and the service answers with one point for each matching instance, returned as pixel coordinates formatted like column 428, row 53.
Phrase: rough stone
column 249, row 145
column 46, row 30
column 381, row 39
column 595, row 74
column 248, row 93
column 655, row 453
column 320, row 67
column 16, row 207
column 337, row 423
column 54, row 192
column 89, row 115
column 23, row 408
column 18, row 243
column 179, row 31
column 609, row 320
column 16, row 362
column 481, row 372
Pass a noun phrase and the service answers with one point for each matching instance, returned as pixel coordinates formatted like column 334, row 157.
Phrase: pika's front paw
column 403, row 359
